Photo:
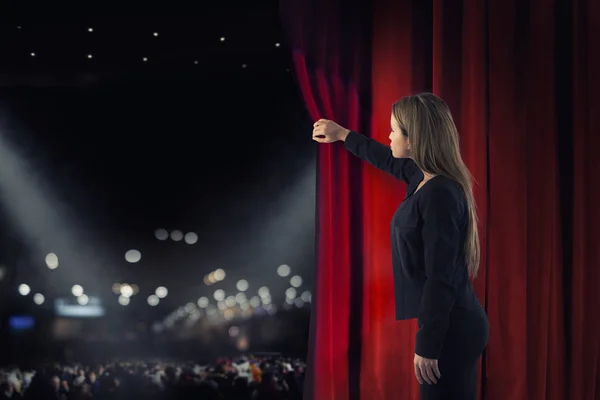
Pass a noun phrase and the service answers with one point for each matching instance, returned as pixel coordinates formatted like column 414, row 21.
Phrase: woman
column 435, row 242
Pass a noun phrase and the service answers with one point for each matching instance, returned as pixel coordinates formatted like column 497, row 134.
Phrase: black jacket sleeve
column 380, row 156
column 441, row 207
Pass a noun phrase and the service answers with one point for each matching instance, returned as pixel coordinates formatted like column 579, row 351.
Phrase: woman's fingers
column 436, row 369
column 418, row 374
column 427, row 371
column 430, row 374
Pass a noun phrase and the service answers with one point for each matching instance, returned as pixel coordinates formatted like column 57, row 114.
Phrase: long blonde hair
column 428, row 123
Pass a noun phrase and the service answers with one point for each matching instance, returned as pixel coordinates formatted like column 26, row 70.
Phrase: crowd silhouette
column 241, row 378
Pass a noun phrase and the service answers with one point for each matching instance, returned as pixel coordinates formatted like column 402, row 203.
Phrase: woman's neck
column 427, row 176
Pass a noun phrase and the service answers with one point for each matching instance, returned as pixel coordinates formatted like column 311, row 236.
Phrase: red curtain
column 332, row 67
column 520, row 77
column 584, row 323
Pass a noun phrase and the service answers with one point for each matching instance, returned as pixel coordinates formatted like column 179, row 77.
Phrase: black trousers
column 466, row 339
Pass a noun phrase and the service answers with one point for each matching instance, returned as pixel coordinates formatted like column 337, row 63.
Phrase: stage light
column 24, row 289
column 126, row 290
column 145, row 59
column 133, row 256
column 77, row 290
column 191, row 238
column 219, row 295
column 299, row 302
column 228, row 314
column 161, row 292
column 290, row 293
column 161, row 234
column 90, row 29
column 219, row 275
column 244, row 65
column 176, row 235
column 123, row 300
column 153, row 300
column 234, row 331
column 277, row 44
column 203, row 302
column 241, row 298
column 242, row 285
column 264, row 292
column 83, row 300
column 116, row 288
column 230, row 301
column 211, row 310
column 52, row 261
column 32, row 54
column 296, row 281
column 155, row 34
column 284, row 270
column 255, row 301
column 38, row 299
column 90, row 56
column 222, row 38
column 306, row 297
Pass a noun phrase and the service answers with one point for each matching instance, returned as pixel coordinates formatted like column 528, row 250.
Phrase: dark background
column 206, row 136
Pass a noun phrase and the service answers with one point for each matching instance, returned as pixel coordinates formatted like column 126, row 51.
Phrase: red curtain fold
column 584, row 324
column 330, row 75
column 521, row 78
column 387, row 350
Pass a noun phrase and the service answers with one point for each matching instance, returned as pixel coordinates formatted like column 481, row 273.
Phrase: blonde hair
column 428, row 123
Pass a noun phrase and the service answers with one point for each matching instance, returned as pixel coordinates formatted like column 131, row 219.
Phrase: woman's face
column 398, row 142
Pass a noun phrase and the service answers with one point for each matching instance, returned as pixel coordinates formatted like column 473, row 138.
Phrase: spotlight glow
column 219, row 295
column 242, row 285
column 77, row 290
column 203, row 302
column 296, row 281
column 52, row 261
column 191, row 238
column 153, row 300
column 176, row 235
column 133, row 256
column 38, row 299
column 161, row 292
column 126, row 290
column 161, row 234
column 284, row 270
column 24, row 289
column 83, row 300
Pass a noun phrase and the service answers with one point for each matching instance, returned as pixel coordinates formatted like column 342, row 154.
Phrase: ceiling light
column 77, row 290
column 24, row 289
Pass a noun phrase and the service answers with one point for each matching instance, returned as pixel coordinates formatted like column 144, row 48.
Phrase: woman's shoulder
column 442, row 189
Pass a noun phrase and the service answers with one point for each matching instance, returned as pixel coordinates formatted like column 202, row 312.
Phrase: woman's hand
column 427, row 370
column 326, row 131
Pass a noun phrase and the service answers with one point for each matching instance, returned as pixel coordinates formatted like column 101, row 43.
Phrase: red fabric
column 584, row 324
column 531, row 142
column 329, row 77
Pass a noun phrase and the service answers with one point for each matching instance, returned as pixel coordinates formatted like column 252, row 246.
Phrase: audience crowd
column 243, row 378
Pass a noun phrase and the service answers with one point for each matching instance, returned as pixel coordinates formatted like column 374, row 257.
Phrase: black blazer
column 428, row 234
